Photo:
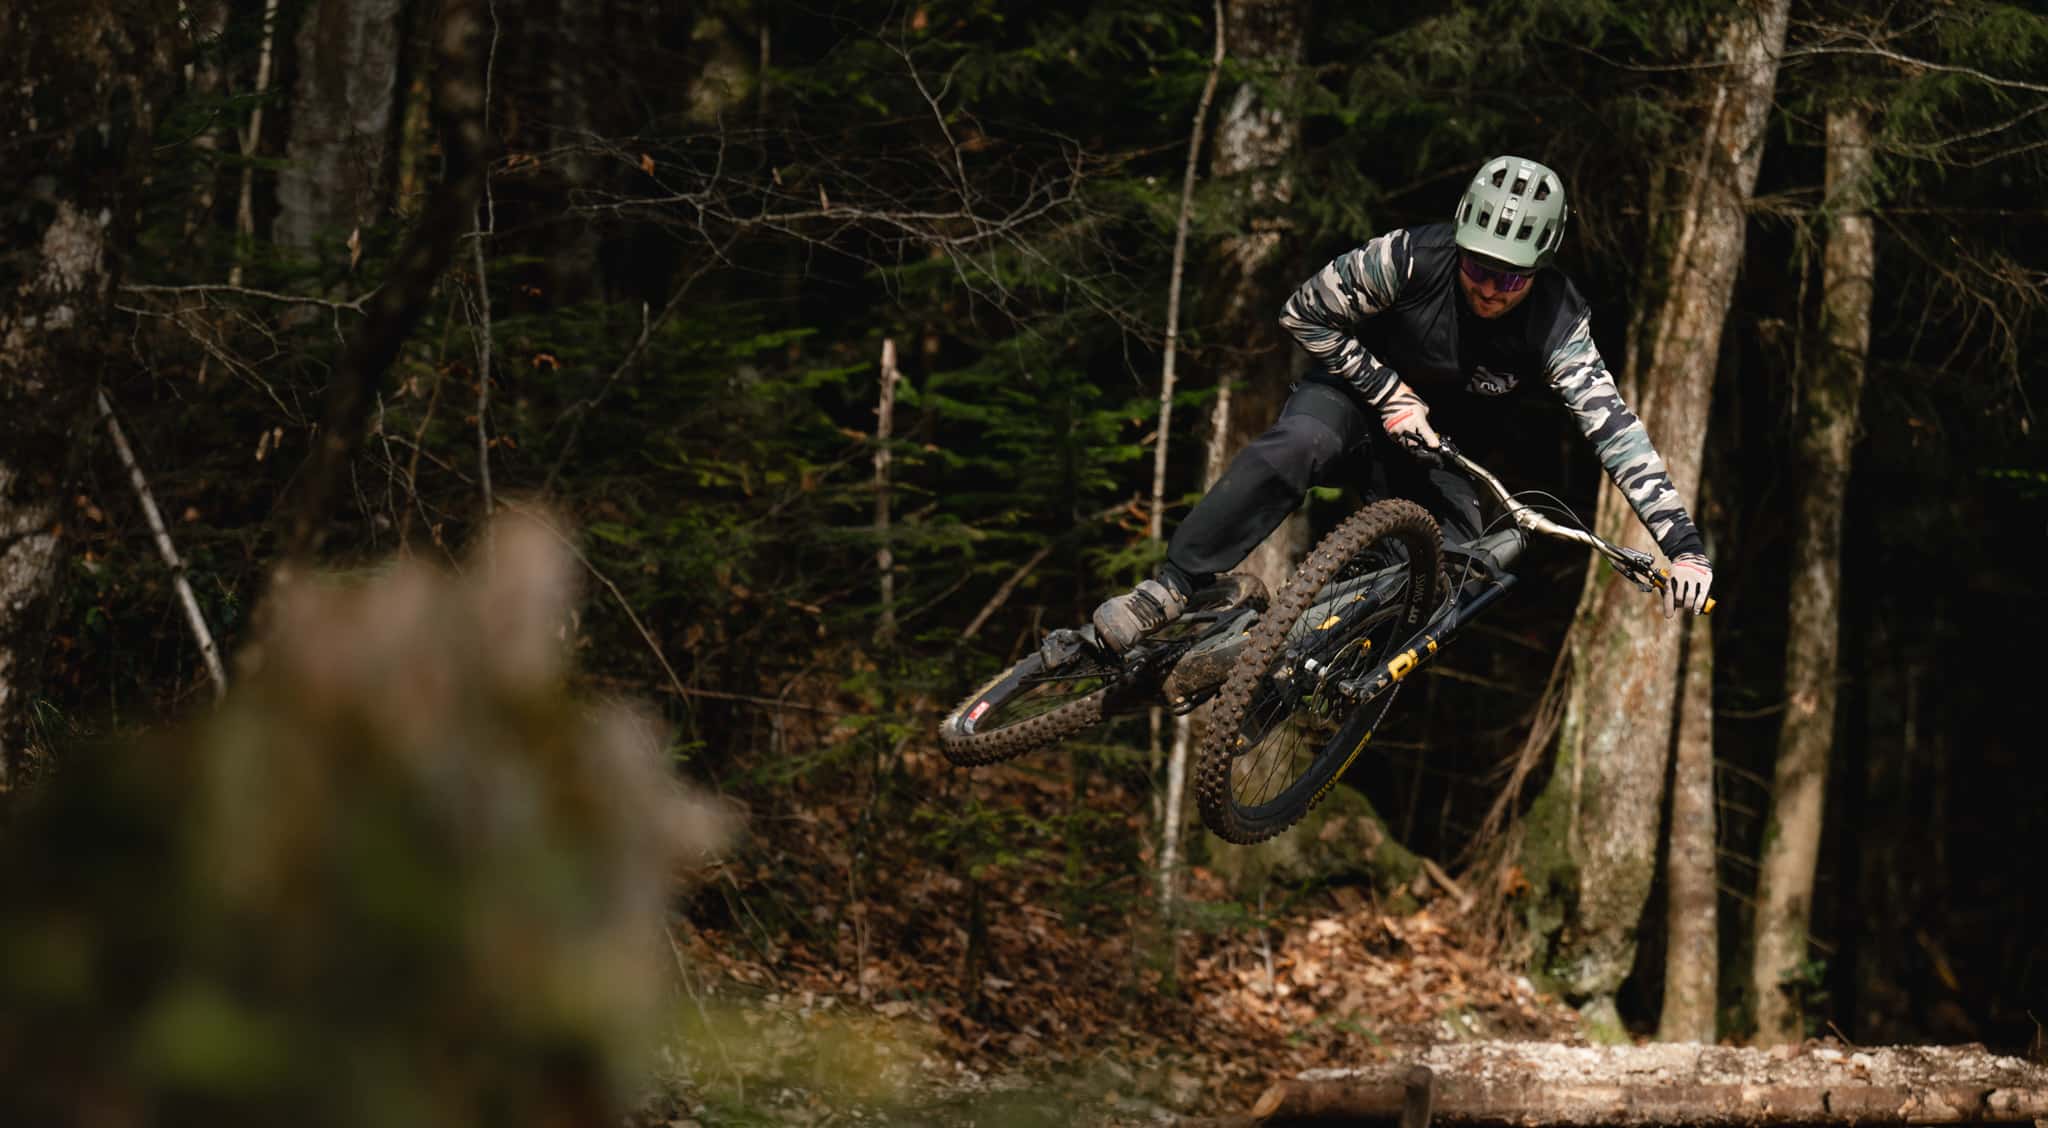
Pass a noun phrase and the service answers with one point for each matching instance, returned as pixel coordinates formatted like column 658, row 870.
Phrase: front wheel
column 1282, row 732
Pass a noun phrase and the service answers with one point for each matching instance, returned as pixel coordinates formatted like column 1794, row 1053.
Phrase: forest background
column 837, row 334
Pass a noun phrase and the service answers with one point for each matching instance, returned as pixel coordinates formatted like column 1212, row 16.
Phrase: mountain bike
column 1302, row 680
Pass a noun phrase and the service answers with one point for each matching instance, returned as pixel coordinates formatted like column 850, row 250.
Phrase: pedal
column 1064, row 645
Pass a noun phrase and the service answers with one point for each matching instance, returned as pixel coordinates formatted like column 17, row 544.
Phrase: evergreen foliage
column 690, row 285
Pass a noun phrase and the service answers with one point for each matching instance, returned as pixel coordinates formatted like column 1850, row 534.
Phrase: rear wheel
column 1027, row 707
column 1281, row 732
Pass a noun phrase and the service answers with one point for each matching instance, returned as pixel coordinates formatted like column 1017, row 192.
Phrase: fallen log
column 1531, row 1083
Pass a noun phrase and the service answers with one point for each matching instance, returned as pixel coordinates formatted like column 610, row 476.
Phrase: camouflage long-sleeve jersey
column 1391, row 311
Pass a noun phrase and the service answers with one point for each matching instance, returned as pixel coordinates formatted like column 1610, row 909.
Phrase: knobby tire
column 1372, row 533
column 969, row 746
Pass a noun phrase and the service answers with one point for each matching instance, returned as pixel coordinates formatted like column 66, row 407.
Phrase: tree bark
column 1177, row 758
column 48, row 317
column 80, row 84
column 885, row 560
column 1692, row 952
column 182, row 584
column 1607, row 790
column 458, row 83
column 1255, row 135
column 344, row 106
column 1828, row 417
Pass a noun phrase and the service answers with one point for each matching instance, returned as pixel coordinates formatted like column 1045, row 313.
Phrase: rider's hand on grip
column 1406, row 419
column 1687, row 583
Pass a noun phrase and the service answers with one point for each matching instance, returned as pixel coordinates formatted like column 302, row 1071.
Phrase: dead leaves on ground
column 1332, row 980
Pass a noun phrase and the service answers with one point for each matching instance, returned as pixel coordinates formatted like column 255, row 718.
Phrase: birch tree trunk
column 1828, row 418
column 885, row 560
column 1177, row 759
column 1692, row 927
column 344, row 106
column 80, row 83
column 1595, row 861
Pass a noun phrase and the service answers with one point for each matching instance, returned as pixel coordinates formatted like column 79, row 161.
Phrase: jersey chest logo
column 1486, row 382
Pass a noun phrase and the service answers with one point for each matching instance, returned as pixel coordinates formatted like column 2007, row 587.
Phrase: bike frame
column 1493, row 554
column 1485, row 577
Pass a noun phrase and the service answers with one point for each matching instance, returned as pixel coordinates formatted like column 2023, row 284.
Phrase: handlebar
column 1638, row 567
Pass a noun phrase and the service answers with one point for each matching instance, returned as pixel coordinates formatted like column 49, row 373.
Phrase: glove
column 1406, row 419
column 1686, row 586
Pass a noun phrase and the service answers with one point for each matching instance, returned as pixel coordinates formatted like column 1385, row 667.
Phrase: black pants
column 1325, row 436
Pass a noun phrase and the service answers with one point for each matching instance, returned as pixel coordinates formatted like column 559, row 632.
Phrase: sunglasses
column 1505, row 281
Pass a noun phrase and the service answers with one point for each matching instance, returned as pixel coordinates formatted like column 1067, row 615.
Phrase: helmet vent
column 1522, row 236
column 1500, row 176
column 1465, row 213
column 1505, row 225
column 1521, row 185
column 1543, row 189
column 1485, row 216
column 1543, row 240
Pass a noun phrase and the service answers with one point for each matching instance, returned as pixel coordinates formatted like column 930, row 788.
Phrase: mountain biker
column 1468, row 312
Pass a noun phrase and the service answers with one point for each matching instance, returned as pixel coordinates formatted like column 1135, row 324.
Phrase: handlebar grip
column 1663, row 576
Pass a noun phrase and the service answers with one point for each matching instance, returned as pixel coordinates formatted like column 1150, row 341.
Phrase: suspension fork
column 1424, row 646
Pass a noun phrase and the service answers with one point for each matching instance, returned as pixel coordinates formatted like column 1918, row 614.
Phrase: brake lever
column 1637, row 567
column 1439, row 457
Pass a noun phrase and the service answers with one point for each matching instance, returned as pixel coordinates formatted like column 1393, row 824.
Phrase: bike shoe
column 1121, row 621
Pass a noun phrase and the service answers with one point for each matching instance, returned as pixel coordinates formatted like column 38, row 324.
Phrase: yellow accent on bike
column 1402, row 663
column 1332, row 621
column 1341, row 769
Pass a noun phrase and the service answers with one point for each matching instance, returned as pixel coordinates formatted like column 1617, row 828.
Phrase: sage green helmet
column 1513, row 213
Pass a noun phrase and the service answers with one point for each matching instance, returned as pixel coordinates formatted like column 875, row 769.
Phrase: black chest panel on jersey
column 1434, row 340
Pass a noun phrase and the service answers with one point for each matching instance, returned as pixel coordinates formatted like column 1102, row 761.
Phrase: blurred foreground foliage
column 402, row 876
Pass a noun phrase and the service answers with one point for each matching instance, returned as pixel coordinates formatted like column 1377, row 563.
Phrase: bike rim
column 1033, row 693
column 1299, row 732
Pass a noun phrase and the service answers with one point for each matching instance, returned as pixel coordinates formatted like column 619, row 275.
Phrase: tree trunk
column 1692, row 952
column 1254, row 137
column 570, row 121
column 1177, row 760
column 1607, row 790
column 1255, row 360
column 459, row 97
column 343, row 109
column 70, row 281
column 1827, row 432
column 79, row 86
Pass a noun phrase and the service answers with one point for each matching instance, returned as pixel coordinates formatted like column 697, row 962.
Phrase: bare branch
column 210, row 289
column 646, row 636
column 194, row 618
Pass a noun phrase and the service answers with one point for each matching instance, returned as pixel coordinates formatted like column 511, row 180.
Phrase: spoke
column 1286, row 729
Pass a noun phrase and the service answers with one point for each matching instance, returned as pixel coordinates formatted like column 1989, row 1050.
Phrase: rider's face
column 1485, row 292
